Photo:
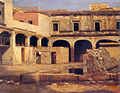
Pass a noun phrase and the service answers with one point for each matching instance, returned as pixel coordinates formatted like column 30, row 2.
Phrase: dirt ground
column 64, row 88
column 51, row 88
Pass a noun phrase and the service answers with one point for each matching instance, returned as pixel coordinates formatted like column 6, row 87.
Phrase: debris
column 1, row 81
column 54, row 84
column 10, row 82
column 100, row 62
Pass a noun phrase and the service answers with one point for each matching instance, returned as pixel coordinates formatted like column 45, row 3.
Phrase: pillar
column 12, row 45
column 72, row 54
column 27, row 41
column 85, row 58
column 39, row 42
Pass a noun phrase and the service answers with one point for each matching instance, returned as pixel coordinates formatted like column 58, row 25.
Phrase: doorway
column 23, row 55
column 38, row 58
column 53, row 58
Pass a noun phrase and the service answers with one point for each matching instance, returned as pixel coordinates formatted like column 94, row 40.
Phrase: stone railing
column 25, row 26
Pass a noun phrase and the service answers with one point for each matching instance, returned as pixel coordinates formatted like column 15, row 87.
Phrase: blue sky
column 71, row 5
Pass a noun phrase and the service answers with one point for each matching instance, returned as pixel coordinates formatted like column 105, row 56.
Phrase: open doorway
column 38, row 58
column 80, row 48
column 53, row 57
column 23, row 55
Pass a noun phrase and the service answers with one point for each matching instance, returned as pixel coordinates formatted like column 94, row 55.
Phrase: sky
column 71, row 5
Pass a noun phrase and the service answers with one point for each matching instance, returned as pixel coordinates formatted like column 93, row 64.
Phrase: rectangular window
column 97, row 26
column 118, row 25
column 76, row 26
column 55, row 26
column 1, row 12
column 21, row 21
column 30, row 22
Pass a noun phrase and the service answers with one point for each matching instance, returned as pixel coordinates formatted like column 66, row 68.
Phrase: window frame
column 78, row 22
column 95, row 25
column 53, row 26
column 117, row 28
column 30, row 22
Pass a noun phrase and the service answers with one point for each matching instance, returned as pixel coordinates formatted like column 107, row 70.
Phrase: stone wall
column 44, row 25
column 5, row 56
column 62, row 55
column 25, row 17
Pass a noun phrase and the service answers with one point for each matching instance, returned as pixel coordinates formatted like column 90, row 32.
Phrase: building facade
column 34, row 36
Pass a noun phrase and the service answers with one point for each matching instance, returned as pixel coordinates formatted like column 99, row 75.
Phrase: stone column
column 72, row 54
column 39, row 42
column 27, row 41
column 12, row 45
column 85, row 58
column 49, row 43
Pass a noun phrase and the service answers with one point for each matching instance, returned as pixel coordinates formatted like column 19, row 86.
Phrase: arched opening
column 98, row 44
column 4, row 38
column 20, row 39
column 33, row 41
column 80, row 49
column 63, row 43
column 44, row 42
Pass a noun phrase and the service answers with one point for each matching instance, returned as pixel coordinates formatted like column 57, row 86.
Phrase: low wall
column 65, row 77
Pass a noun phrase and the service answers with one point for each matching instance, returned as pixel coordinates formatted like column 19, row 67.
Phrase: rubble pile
column 100, row 62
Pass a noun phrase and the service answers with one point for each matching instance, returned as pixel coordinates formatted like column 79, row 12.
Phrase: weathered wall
column 5, row 56
column 44, row 24
column 17, row 56
column 86, row 22
column 28, row 55
column 8, row 12
column 114, row 52
column 25, row 17
column 62, row 55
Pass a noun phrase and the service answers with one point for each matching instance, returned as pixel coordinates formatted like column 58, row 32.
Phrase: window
column 97, row 26
column 21, row 21
column 1, row 12
column 118, row 25
column 30, row 22
column 76, row 26
column 55, row 26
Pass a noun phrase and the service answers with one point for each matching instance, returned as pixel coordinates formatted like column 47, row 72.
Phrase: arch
column 63, row 43
column 20, row 39
column 104, row 41
column 5, row 38
column 80, row 48
column 33, row 41
column 44, row 42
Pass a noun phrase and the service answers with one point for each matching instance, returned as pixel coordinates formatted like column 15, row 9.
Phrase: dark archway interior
column 33, row 41
column 20, row 39
column 44, row 42
column 5, row 38
column 104, row 41
column 80, row 49
column 63, row 43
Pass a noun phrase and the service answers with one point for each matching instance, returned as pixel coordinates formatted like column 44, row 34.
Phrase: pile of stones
column 100, row 62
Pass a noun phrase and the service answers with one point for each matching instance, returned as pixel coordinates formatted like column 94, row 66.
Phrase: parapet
column 95, row 7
